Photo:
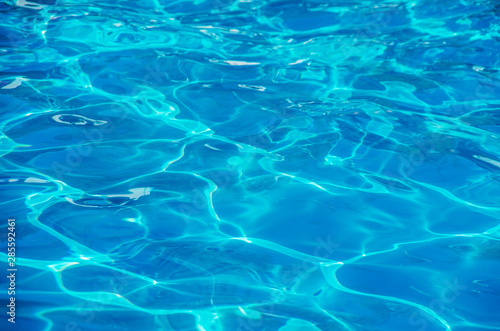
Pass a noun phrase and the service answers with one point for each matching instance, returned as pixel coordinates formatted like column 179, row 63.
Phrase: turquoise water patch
column 251, row 165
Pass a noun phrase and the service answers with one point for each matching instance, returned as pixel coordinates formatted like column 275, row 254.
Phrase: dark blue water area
column 250, row 165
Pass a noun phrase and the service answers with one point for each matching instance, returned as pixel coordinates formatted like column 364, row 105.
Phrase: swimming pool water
column 251, row 165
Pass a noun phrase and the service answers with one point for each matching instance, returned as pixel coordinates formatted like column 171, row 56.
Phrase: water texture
column 251, row 165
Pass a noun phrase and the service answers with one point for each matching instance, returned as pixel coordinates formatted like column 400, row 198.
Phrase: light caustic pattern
column 252, row 165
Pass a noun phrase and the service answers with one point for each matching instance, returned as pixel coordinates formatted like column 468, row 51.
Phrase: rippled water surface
column 251, row 165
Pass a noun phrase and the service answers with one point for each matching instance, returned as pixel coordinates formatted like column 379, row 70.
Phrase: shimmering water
column 251, row 165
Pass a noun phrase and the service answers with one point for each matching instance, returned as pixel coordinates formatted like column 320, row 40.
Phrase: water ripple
column 252, row 165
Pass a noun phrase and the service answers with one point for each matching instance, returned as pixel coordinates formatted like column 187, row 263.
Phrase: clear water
column 252, row 165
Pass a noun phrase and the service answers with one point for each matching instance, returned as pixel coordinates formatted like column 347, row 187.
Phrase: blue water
column 251, row 165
